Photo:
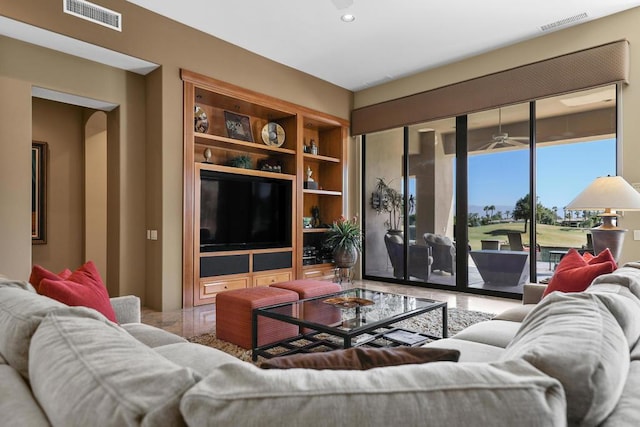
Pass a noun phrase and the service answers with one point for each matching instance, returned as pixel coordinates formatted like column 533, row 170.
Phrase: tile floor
column 198, row 320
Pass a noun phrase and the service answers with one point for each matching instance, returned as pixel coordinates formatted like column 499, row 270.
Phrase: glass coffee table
column 346, row 319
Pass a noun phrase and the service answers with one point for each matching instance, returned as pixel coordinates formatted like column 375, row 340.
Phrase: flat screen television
column 243, row 212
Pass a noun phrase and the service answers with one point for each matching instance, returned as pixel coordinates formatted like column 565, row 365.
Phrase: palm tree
column 492, row 209
column 522, row 210
column 486, row 210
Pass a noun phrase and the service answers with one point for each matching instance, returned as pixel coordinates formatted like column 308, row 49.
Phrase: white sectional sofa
column 571, row 359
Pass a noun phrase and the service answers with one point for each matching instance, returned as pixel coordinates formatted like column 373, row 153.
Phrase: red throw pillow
column 84, row 287
column 604, row 256
column 575, row 274
column 38, row 273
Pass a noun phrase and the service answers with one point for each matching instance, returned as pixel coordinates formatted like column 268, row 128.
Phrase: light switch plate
column 636, row 234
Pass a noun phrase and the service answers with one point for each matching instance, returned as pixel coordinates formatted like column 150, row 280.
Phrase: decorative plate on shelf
column 200, row 120
column 273, row 134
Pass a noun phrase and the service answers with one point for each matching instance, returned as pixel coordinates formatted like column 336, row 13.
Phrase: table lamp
column 611, row 194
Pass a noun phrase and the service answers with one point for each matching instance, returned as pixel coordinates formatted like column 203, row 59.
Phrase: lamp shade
column 607, row 192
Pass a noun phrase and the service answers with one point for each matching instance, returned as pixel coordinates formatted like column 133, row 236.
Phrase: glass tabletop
column 352, row 310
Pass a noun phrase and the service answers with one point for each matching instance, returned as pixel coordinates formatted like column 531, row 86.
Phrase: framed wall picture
column 38, row 192
column 238, row 126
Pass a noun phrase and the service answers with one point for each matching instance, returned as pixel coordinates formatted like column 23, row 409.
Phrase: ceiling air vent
column 94, row 13
column 566, row 21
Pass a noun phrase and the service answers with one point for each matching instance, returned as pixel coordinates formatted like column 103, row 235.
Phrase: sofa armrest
column 532, row 293
column 127, row 308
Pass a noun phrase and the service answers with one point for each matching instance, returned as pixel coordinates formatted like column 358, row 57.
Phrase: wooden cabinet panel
column 211, row 286
column 211, row 147
column 319, row 272
column 269, row 279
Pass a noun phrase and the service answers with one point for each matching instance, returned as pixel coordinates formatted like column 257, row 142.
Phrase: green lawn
column 547, row 235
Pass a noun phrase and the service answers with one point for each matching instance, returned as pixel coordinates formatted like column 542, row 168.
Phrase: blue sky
column 564, row 170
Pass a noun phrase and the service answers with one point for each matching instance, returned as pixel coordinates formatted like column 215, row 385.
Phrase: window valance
column 597, row 66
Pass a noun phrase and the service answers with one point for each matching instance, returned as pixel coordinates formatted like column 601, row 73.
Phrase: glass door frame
column 461, row 214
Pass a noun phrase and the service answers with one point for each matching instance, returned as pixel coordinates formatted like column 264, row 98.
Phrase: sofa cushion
column 202, row 359
column 575, row 274
column 84, row 287
column 574, row 338
column 86, row 371
column 18, row 406
column 627, row 410
column 624, row 309
column 437, row 394
column 515, row 314
column 20, row 314
column 470, row 351
column 623, row 280
column 152, row 336
column 361, row 358
column 498, row 333
column 5, row 282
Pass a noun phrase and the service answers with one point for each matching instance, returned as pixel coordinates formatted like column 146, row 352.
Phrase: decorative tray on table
column 348, row 302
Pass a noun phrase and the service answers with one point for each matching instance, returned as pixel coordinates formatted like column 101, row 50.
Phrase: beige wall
column 61, row 127
column 145, row 161
column 95, row 190
column 15, row 178
column 35, row 66
column 620, row 26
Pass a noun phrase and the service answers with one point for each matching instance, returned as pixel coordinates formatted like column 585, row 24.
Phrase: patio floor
column 544, row 271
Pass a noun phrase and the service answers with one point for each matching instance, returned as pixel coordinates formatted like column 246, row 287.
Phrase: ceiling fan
column 502, row 139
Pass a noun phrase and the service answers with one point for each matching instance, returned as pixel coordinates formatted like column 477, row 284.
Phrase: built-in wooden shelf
column 322, row 192
column 242, row 171
column 227, row 143
column 315, row 230
column 308, row 156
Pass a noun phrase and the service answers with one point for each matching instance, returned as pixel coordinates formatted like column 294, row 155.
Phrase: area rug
column 430, row 323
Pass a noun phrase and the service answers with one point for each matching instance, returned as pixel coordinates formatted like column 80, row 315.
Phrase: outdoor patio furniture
column 420, row 258
column 490, row 244
column 443, row 251
column 515, row 243
column 502, row 268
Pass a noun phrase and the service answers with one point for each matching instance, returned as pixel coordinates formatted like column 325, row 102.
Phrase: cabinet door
column 209, row 287
column 321, row 273
column 270, row 279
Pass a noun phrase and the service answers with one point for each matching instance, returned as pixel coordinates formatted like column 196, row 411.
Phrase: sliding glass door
column 575, row 144
column 431, row 173
column 497, row 199
column 477, row 202
column 383, row 204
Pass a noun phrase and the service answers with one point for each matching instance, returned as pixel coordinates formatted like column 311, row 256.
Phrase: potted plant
column 388, row 200
column 344, row 237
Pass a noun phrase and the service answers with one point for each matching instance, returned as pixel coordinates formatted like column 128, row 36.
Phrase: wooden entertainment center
column 230, row 132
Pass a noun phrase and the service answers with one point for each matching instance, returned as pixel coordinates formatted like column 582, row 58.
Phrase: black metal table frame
column 317, row 328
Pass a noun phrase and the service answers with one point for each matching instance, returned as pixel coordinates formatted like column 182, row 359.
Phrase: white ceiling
column 388, row 39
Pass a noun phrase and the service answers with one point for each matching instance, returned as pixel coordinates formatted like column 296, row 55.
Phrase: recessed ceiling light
column 348, row 17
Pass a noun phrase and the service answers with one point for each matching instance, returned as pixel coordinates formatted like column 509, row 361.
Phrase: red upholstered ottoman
column 309, row 288
column 233, row 315
column 324, row 314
